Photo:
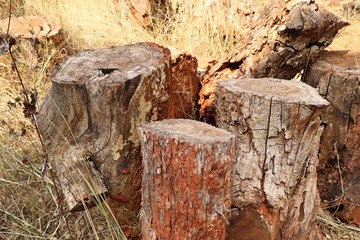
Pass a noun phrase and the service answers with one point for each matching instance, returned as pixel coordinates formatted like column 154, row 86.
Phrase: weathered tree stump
column 277, row 127
column 95, row 104
column 284, row 38
column 337, row 76
column 186, row 181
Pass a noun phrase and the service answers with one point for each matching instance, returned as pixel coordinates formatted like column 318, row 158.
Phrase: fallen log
column 337, row 76
column 95, row 104
column 286, row 36
column 277, row 127
column 186, row 180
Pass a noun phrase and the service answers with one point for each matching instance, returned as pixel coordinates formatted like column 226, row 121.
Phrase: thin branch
column 8, row 27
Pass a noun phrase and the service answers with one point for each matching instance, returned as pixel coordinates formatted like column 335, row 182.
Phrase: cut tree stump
column 337, row 76
column 286, row 36
column 186, row 181
column 277, row 127
column 95, row 104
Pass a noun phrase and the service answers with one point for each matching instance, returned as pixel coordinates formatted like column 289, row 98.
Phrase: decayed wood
column 337, row 76
column 184, row 87
column 82, row 184
column 247, row 225
column 96, row 101
column 277, row 127
column 186, row 181
column 30, row 27
column 286, row 36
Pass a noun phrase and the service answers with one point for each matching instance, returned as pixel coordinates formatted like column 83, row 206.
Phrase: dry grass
column 335, row 230
column 348, row 38
column 202, row 31
column 29, row 206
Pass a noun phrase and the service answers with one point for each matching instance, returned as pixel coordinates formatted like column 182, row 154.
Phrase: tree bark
column 82, row 184
column 184, row 87
column 286, row 36
column 337, row 76
column 277, row 127
column 186, row 181
column 95, row 104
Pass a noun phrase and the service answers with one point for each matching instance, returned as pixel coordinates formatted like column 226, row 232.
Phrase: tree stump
column 337, row 76
column 281, row 42
column 95, row 104
column 277, row 127
column 186, row 181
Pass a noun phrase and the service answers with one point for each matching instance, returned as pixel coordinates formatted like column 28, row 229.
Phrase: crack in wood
column 263, row 170
column 104, row 71
column 327, row 87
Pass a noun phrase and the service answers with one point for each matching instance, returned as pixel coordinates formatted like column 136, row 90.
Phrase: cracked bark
column 277, row 127
column 336, row 75
column 95, row 104
column 186, row 181
column 281, row 41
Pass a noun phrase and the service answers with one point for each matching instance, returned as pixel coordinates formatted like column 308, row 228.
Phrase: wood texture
column 82, row 183
column 184, row 87
column 286, row 36
column 95, row 104
column 277, row 127
column 337, row 76
column 187, row 180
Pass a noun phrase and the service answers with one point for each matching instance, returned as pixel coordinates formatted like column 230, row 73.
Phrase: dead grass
column 29, row 206
column 335, row 230
column 348, row 38
column 206, row 31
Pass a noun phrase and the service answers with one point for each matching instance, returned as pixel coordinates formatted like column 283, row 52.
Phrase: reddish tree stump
column 186, row 180
column 277, row 127
column 337, row 76
column 95, row 104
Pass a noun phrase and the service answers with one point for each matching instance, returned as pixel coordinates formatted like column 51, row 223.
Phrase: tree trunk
column 286, row 36
column 186, row 181
column 278, row 130
column 95, row 104
column 337, row 76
